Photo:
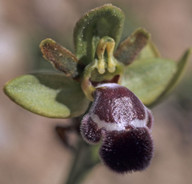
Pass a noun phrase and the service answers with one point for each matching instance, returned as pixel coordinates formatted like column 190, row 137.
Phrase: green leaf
column 129, row 49
column 61, row 58
column 48, row 94
column 106, row 20
column 148, row 78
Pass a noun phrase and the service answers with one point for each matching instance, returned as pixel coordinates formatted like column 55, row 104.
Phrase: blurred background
column 30, row 152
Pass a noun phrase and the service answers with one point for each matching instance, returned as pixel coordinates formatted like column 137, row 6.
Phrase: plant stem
column 85, row 158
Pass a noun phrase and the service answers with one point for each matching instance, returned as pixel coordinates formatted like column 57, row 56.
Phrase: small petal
column 61, row 58
column 131, row 47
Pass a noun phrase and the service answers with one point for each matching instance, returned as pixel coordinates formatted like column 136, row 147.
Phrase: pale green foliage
column 148, row 78
column 48, row 94
column 98, row 59
column 107, row 20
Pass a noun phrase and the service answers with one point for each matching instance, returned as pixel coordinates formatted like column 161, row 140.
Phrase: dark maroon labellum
column 123, row 123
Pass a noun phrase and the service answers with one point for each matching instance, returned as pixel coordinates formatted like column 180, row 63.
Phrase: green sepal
column 148, row 78
column 129, row 49
column 106, row 20
column 180, row 65
column 61, row 58
column 48, row 94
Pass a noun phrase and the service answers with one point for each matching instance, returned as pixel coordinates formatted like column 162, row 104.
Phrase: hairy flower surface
column 123, row 123
column 117, row 79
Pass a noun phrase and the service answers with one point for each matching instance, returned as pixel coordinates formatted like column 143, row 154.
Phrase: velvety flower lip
column 127, row 151
column 123, row 124
column 118, row 118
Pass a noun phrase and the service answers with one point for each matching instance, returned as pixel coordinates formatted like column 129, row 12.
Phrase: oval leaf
column 103, row 21
column 148, row 78
column 48, row 94
column 61, row 58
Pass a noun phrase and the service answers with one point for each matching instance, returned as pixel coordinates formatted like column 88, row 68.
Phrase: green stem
column 85, row 158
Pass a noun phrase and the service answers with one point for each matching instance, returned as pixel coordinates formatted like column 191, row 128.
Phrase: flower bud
column 123, row 123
